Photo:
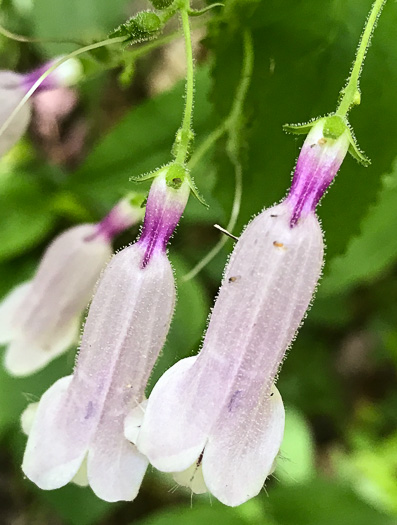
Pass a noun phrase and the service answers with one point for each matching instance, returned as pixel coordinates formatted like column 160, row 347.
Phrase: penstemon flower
column 14, row 86
column 41, row 319
column 81, row 417
column 217, row 419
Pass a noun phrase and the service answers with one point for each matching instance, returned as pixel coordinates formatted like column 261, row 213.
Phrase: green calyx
column 144, row 25
column 334, row 127
column 176, row 175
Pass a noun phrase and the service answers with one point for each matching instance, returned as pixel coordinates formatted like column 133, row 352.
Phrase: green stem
column 235, row 124
column 236, row 113
column 186, row 129
column 232, row 125
column 351, row 93
column 205, row 146
column 58, row 63
column 25, row 39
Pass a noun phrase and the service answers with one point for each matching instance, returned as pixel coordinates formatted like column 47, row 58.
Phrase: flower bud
column 147, row 22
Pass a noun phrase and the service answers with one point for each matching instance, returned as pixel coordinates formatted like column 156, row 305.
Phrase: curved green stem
column 234, row 120
column 25, row 39
column 351, row 93
column 186, row 129
column 208, row 143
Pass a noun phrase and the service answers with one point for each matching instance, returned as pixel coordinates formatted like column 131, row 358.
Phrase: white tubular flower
column 81, row 417
column 217, row 419
column 14, row 86
column 41, row 319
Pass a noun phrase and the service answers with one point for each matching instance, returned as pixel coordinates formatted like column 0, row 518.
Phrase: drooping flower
column 41, row 319
column 81, row 417
column 217, row 419
column 14, row 86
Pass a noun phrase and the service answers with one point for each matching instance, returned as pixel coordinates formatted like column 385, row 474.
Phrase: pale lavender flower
column 81, row 417
column 217, row 419
column 41, row 319
column 14, row 86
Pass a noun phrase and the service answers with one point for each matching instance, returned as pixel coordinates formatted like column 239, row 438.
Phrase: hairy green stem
column 351, row 93
column 186, row 128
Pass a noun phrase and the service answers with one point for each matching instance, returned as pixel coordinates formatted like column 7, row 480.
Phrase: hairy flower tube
column 81, row 417
column 217, row 419
column 14, row 86
column 41, row 319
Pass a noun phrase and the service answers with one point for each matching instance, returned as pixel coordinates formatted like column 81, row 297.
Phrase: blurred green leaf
column 371, row 469
column 77, row 505
column 75, row 19
column 197, row 515
column 17, row 393
column 322, row 503
column 374, row 249
column 25, row 214
column 296, row 461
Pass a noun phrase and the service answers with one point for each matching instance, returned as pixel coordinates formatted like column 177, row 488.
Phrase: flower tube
column 14, row 86
column 217, row 419
column 81, row 417
column 40, row 319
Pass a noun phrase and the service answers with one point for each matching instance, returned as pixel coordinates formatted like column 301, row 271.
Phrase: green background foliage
column 338, row 463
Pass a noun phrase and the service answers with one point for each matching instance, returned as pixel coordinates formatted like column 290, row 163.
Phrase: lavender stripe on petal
column 317, row 166
column 121, row 217
column 164, row 208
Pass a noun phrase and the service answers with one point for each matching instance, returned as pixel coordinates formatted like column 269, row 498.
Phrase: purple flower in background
column 41, row 319
column 81, row 417
column 217, row 419
column 14, row 86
